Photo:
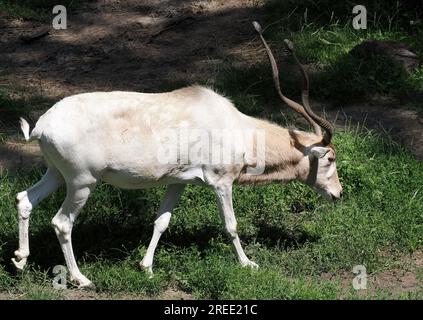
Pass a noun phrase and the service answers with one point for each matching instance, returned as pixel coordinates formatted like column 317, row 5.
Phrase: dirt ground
column 77, row 294
column 130, row 45
column 121, row 45
column 143, row 45
column 400, row 279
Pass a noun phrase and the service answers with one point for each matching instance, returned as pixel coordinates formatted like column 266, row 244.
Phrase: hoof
column 83, row 283
column 87, row 286
column 147, row 269
column 19, row 264
column 250, row 264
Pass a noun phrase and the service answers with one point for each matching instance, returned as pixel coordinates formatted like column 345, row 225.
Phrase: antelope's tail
column 25, row 128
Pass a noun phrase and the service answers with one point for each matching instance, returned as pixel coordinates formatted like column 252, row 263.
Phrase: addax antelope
column 188, row 136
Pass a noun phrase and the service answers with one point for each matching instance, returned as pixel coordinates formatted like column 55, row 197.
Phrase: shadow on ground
column 129, row 46
column 116, row 238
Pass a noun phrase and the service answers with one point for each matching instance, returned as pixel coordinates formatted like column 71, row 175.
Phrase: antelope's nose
column 334, row 197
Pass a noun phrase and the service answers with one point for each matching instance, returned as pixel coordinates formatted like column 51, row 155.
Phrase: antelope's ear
column 319, row 152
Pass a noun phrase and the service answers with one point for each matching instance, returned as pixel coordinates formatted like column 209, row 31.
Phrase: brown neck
column 284, row 158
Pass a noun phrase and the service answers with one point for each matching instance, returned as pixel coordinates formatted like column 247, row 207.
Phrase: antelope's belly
column 147, row 177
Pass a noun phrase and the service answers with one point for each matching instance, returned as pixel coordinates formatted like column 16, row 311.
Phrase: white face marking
column 327, row 181
column 331, row 170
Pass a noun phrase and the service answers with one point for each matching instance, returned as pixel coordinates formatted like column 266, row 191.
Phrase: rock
column 398, row 52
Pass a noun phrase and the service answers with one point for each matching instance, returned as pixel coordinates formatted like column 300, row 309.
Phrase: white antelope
column 115, row 137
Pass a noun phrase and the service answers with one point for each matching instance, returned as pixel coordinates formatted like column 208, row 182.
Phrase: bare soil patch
column 19, row 155
column 129, row 45
column 77, row 294
column 404, row 277
column 168, row 294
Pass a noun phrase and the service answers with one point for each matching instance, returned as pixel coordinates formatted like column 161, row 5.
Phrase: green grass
column 290, row 231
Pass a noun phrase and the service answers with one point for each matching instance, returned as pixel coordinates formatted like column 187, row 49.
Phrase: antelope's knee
column 62, row 226
column 231, row 230
column 24, row 206
column 162, row 222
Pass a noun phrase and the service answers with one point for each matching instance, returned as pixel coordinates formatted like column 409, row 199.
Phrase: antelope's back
column 93, row 113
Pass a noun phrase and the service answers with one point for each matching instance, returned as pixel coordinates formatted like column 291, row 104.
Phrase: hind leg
column 27, row 200
column 76, row 197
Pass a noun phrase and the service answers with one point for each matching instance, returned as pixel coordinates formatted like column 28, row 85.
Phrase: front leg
column 224, row 200
column 173, row 193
